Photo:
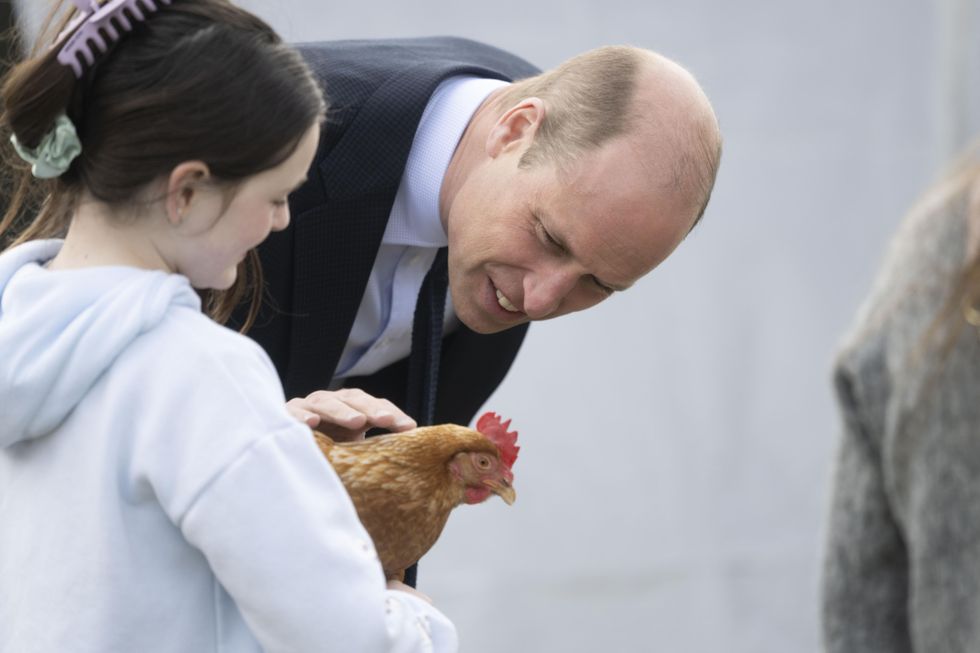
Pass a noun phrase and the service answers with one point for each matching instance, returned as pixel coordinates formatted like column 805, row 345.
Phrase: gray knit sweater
column 902, row 567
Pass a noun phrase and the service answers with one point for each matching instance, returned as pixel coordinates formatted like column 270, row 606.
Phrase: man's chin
column 487, row 330
column 484, row 324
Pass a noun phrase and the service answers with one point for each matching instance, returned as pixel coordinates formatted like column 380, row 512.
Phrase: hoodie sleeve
column 246, row 485
column 282, row 537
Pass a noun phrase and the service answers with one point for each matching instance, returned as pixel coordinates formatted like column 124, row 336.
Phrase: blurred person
column 902, row 566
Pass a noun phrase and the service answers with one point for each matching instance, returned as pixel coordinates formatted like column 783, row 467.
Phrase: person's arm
column 933, row 466
column 864, row 590
column 903, row 564
column 246, row 485
column 282, row 537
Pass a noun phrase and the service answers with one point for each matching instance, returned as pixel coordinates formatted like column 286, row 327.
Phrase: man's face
column 534, row 244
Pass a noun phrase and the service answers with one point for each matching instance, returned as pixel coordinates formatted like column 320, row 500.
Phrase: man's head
column 573, row 184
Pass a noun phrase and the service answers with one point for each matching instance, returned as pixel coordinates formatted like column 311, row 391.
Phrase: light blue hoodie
column 155, row 494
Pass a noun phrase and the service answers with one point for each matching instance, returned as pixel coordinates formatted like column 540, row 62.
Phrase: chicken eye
column 483, row 462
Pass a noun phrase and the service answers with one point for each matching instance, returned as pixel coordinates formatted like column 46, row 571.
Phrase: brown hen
column 404, row 485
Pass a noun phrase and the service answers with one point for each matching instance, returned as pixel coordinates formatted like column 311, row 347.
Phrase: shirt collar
column 414, row 216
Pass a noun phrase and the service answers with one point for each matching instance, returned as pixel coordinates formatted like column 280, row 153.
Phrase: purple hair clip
column 94, row 24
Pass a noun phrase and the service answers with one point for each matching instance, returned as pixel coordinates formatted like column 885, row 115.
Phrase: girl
column 155, row 492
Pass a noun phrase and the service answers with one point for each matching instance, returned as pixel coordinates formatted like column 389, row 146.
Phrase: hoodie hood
column 61, row 330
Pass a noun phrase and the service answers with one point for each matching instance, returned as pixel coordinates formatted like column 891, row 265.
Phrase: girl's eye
column 280, row 202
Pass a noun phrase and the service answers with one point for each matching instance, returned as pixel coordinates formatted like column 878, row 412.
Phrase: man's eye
column 601, row 286
column 549, row 239
column 280, row 202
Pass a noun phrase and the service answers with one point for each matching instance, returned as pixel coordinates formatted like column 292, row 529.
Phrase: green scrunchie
column 54, row 154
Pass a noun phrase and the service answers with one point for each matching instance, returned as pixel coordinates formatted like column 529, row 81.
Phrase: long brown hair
column 961, row 307
column 198, row 80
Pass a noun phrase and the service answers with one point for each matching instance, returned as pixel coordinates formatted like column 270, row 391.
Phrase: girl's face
column 211, row 248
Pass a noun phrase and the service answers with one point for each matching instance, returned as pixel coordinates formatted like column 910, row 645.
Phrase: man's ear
column 183, row 189
column 516, row 127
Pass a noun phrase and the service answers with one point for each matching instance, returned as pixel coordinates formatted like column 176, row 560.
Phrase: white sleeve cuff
column 434, row 632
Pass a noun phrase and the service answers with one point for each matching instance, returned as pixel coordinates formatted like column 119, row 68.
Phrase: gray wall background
column 677, row 441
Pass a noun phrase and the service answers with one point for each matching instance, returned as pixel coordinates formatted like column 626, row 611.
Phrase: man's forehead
column 615, row 218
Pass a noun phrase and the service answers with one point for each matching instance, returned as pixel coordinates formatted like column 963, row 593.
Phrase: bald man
column 532, row 198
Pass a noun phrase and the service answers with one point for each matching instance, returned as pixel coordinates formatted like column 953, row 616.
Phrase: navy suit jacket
column 317, row 269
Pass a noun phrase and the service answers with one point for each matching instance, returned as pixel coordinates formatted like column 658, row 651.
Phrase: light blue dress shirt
column 382, row 331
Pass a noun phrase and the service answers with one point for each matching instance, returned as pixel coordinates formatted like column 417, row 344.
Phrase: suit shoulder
column 383, row 57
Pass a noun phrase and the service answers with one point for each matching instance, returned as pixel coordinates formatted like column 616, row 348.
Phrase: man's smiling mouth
column 505, row 303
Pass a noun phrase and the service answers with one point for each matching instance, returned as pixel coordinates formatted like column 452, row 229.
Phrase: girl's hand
column 345, row 415
column 402, row 587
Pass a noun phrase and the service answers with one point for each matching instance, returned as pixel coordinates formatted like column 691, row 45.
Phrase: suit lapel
column 336, row 243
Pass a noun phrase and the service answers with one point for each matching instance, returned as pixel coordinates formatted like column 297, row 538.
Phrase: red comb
column 489, row 425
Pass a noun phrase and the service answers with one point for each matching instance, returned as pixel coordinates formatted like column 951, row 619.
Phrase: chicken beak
column 502, row 488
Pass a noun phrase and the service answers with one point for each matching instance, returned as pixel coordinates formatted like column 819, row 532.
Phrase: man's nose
column 544, row 292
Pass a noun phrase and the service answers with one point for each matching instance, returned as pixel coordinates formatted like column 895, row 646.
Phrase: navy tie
column 423, row 362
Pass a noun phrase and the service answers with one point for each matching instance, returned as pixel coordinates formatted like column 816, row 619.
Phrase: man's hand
column 345, row 415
